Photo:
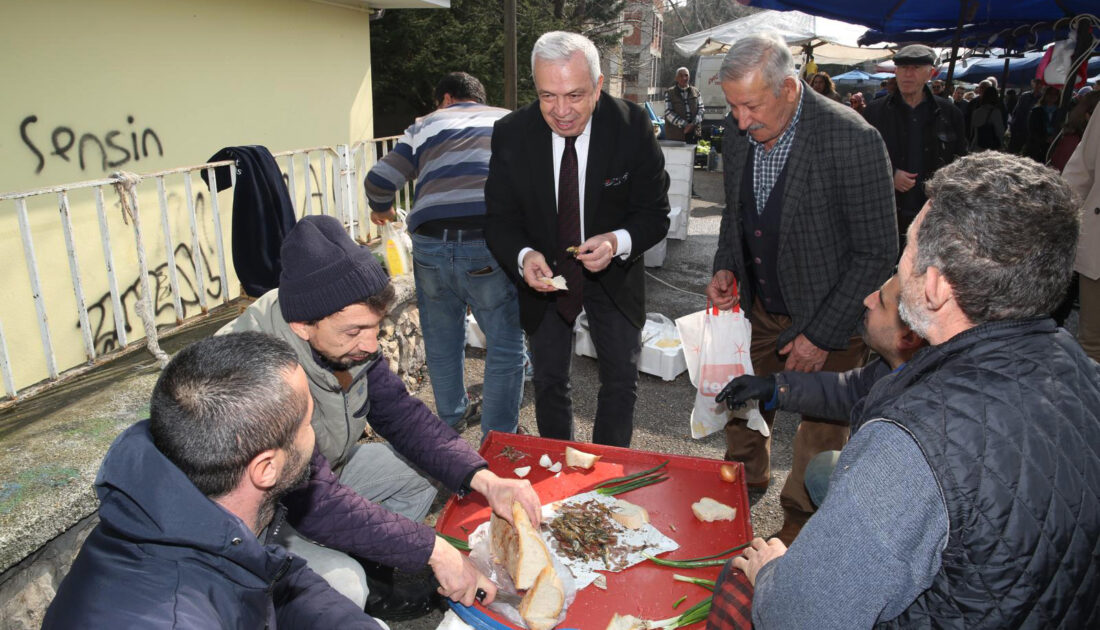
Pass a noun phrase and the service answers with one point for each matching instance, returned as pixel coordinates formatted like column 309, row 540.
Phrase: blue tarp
column 857, row 76
column 904, row 15
column 1020, row 70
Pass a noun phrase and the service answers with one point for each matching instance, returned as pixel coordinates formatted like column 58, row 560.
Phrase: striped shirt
column 447, row 152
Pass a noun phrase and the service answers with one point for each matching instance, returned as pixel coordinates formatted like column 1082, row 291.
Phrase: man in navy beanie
column 365, row 499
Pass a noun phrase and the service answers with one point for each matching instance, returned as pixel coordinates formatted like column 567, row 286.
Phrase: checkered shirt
column 767, row 165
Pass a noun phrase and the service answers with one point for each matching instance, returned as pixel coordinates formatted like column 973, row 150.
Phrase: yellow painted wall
column 197, row 75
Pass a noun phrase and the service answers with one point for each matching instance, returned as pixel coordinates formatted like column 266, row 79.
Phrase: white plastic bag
column 716, row 346
column 395, row 250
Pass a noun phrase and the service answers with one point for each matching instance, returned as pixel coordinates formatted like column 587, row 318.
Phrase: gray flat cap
column 915, row 55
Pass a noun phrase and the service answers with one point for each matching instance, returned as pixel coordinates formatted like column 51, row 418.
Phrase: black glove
column 744, row 388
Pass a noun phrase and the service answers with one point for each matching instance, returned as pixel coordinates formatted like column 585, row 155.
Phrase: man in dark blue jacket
column 189, row 498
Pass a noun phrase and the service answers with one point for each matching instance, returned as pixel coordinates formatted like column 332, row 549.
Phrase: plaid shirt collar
column 768, row 164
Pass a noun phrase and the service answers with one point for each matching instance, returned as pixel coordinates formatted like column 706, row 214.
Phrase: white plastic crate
column 655, row 256
column 474, row 337
column 677, row 223
column 664, row 362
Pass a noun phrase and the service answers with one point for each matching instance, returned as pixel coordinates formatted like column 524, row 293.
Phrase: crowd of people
column 950, row 481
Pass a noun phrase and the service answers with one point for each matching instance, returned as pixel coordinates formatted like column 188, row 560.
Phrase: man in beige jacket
column 1081, row 172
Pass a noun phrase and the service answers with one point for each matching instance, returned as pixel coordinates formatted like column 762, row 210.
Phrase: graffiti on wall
column 113, row 149
column 100, row 318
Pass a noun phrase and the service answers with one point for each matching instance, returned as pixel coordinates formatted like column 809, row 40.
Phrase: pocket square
column 616, row 181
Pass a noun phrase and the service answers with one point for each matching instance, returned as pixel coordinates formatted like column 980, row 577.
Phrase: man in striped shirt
column 447, row 152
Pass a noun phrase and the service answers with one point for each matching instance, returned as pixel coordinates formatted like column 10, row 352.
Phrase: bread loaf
column 629, row 515
column 518, row 547
column 543, row 602
column 707, row 510
column 580, row 459
column 625, row 622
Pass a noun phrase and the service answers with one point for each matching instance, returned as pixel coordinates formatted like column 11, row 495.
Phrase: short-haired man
column 807, row 233
column 922, row 131
column 577, row 188
column 189, row 500
column 447, row 152
column 683, row 109
column 834, row 395
column 968, row 497
column 365, row 499
column 1017, row 123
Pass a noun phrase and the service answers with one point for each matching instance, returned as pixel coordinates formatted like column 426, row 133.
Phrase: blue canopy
column 852, row 76
column 1020, row 70
column 898, row 16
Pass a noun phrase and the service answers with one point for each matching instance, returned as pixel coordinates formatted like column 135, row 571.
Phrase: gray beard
column 918, row 318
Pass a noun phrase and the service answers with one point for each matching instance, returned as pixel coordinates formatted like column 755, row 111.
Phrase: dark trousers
column 618, row 345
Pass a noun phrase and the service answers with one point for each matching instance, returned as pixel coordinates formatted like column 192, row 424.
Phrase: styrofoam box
column 679, row 187
column 679, row 172
column 677, row 223
column 666, row 363
column 474, row 337
column 655, row 256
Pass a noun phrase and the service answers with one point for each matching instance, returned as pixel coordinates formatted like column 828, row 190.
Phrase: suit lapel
column 599, row 153
column 798, row 166
column 542, row 173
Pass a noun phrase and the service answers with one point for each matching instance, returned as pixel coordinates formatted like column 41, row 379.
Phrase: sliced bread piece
column 543, row 602
column 580, row 459
column 708, row 510
column 625, row 622
column 629, row 515
column 518, row 548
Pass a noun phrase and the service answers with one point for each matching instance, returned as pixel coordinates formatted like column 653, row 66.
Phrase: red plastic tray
column 645, row 590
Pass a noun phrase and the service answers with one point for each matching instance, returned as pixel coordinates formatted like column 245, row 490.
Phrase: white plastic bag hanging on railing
column 716, row 347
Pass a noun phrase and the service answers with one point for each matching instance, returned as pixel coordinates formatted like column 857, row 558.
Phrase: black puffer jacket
column 1008, row 416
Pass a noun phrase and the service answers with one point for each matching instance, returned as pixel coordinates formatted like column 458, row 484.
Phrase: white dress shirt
column 557, row 145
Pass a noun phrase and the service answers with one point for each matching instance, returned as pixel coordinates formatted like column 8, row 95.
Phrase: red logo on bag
column 713, row 377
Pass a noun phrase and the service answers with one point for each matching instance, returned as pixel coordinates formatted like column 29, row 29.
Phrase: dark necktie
column 569, row 233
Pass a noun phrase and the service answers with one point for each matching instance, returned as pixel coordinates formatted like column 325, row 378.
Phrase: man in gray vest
column 683, row 109
column 968, row 497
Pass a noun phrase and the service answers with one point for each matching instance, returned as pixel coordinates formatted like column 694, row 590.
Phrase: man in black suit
column 807, row 231
column 577, row 188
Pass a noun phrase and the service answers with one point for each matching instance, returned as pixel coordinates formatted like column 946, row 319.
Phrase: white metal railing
column 320, row 180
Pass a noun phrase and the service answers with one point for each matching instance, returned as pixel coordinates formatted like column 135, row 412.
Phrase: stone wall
column 27, row 587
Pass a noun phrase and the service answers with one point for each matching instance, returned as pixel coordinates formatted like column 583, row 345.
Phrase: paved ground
column 663, row 409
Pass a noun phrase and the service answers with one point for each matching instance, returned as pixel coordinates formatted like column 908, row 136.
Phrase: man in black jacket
column 577, row 188
column 922, row 132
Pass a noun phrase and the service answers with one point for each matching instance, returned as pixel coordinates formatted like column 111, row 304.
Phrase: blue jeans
column 451, row 274
column 818, row 472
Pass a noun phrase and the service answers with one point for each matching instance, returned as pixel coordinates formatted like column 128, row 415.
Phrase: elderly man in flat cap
column 922, row 131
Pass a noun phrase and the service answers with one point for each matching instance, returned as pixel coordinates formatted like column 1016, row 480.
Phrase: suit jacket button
column 758, row 233
column 1096, row 210
column 756, row 260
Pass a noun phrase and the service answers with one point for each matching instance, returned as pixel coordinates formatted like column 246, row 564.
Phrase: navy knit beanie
column 324, row 270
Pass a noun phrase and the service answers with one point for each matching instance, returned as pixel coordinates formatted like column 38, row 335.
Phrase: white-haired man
column 577, row 188
column 683, row 108
column 807, row 233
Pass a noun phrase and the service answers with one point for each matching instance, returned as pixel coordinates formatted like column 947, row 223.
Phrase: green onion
column 457, row 543
column 632, row 485
column 679, row 601
column 682, row 564
column 618, row 480
column 696, row 562
column 705, row 583
column 695, row 614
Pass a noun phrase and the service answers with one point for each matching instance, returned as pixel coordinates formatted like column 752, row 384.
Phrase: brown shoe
column 788, row 532
column 759, row 485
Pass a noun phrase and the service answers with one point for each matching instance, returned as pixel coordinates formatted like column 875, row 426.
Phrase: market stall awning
column 832, row 41
column 906, row 15
column 1021, row 70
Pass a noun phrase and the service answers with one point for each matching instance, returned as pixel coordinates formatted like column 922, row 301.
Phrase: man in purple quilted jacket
column 366, row 500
